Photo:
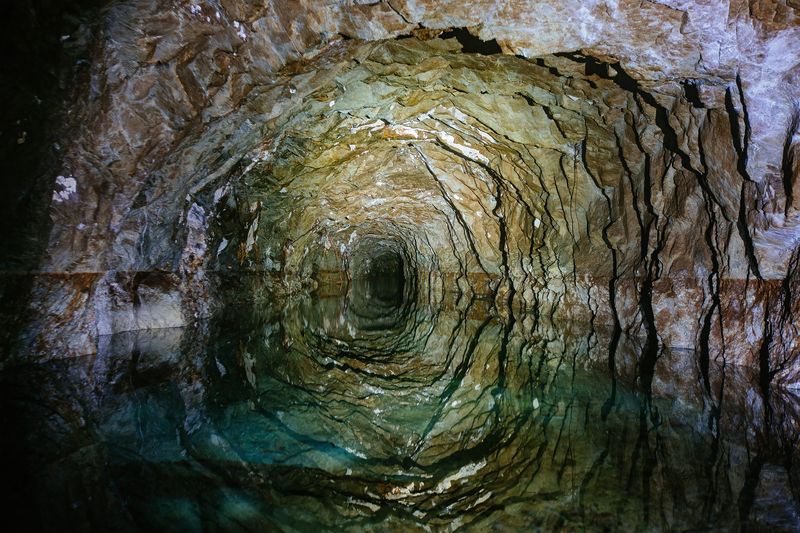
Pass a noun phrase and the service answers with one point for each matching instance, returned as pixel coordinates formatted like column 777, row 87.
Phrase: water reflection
column 323, row 415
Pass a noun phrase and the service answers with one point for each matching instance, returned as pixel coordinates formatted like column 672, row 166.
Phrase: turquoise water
column 343, row 414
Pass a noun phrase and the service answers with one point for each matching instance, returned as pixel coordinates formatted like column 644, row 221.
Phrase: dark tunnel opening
column 378, row 281
column 384, row 278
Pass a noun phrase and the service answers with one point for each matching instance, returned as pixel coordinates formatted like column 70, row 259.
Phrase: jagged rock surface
column 642, row 182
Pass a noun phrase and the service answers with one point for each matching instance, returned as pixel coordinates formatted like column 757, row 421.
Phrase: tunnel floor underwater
column 395, row 265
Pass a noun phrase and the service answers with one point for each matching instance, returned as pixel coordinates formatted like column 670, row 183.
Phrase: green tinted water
column 326, row 415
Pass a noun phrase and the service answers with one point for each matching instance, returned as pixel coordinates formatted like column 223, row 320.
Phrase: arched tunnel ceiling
column 179, row 68
column 631, row 163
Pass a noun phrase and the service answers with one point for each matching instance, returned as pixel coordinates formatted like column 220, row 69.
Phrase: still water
column 369, row 411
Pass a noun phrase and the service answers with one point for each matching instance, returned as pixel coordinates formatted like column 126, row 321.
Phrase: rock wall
column 622, row 163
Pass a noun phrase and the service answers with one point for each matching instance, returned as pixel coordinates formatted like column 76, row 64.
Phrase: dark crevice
column 616, row 333
column 692, row 94
column 787, row 161
column 740, row 144
column 549, row 114
column 710, row 236
column 397, row 11
column 736, row 133
column 470, row 44
column 744, row 232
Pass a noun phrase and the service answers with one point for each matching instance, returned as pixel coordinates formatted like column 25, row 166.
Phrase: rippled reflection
column 368, row 410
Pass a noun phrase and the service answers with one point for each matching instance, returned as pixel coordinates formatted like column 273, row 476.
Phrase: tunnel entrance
column 383, row 279
column 378, row 288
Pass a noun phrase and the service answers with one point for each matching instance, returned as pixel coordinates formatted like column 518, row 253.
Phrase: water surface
column 371, row 412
